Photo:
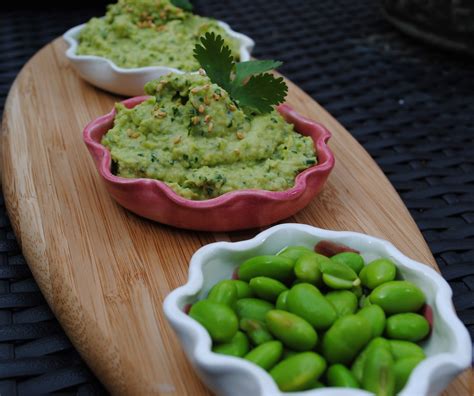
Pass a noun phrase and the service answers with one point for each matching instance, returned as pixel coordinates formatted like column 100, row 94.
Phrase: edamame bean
column 352, row 260
column 218, row 319
column 298, row 372
column 243, row 288
column 294, row 252
column 402, row 370
column 357, row 290
column 295, row 332
column 275, row 267
column 376, row 317
column 379, row 376
column 306, row 301
column 340, row 375
column 377, row 272
column 364, row 301
column 266, row 355
column 256, row 331
column 398, row 297
column 406, row 349
column 223, row 292
column 281, row 300
column 345, row 338
column 307, row 268
column 252, row 308
column 357, row 367
column 407, row 326
column 343, row 301
column 266, row 288
column 338, row 276
column 237, row 346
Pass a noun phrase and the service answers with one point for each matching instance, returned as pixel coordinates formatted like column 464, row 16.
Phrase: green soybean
column 337, row 275
column 281, row 300
column 340, row 375
column 379, row 376
column 377, row 272
column 295, row 332
column 223, row 292
column 364, row 301
column 237, row 346
column 266, row 288
column 243, row 288
column 357, row 290
column 402, row 370
column 308, row 268
column 266, row 355
column 306, row 301
column 407, row 326
column 275, row 267
column 405, row 349
column 398, row 297
column 376, row 317
column 298, row 372
column 345, row 338
column 218, row 319
column 257, row 331
column 294, row 252
column 352, row 260
column 343, row 301
column 357, row 367
column 252, row 308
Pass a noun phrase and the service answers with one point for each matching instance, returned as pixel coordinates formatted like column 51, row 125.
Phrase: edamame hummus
column 191, row 135
column 139, row 33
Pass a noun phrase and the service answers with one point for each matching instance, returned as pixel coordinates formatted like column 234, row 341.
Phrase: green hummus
column 191, row 135
column 139, row 33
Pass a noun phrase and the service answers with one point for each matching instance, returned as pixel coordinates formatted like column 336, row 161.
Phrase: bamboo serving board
column 105, row 271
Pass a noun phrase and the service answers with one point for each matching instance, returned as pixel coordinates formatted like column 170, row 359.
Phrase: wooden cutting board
column 105, row 271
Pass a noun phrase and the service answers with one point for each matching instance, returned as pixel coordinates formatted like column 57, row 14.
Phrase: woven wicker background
column 411, row 106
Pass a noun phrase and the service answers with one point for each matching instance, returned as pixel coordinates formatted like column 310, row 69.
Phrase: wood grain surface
column 105, row 271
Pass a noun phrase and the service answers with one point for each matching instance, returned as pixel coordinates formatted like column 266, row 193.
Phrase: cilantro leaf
column 261, row 92
column 183, row 4
column 216, row 59
column 246, row 69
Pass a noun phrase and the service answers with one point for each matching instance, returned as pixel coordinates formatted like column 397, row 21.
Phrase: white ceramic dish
column 448, row 349
column 104, row 74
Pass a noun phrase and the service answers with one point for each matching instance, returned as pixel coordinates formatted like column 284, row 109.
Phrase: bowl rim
column 70, row 36
column 459, row 359
column 296, row 191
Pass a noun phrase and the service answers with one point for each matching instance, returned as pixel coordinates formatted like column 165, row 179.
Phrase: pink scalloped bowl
column 234, row 210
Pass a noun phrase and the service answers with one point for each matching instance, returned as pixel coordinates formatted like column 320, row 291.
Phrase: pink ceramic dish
column 234, row 210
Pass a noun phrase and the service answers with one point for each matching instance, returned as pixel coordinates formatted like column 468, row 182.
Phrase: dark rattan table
column 411, row 106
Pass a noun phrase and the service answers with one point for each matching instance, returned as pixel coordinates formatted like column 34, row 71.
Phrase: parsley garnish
column 184, row 4
column 247, row 83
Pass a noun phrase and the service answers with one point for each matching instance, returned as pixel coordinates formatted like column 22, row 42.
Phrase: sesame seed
column 201, row 109
column 240, row 135
column 210, row 127
column 195, row 120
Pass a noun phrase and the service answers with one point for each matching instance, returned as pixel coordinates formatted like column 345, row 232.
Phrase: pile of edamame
column 312, row 321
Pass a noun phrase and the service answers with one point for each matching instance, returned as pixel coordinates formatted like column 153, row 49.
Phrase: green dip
column 191, row 135
column 139, row 33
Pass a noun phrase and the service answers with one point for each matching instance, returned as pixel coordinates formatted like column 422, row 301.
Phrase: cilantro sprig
column 184, row 4
column 247, row 83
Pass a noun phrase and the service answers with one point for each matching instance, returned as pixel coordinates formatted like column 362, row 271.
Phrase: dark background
column 411, row 106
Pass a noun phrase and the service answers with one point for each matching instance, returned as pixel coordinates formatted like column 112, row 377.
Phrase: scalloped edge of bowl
column 322, row 151
column 439, row 369
column 105, row 74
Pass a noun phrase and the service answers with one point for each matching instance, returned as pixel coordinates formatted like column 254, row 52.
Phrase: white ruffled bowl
column 448, row 349
column 105, row 74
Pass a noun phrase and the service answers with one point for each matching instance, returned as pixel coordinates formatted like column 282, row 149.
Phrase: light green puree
column 191, row 135
column 139, row 33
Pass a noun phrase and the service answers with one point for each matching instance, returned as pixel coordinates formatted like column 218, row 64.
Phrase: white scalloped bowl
column 105, row 74
column 448, row 349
